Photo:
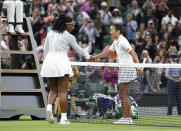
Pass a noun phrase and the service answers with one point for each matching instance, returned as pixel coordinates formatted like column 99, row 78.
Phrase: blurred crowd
column 151, row 27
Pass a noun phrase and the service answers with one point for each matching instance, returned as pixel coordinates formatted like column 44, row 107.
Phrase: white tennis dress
column 122, row 48
column 56, row 62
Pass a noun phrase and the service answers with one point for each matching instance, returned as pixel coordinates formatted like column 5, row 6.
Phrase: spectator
column 148, row 16
column 153, row 76
column 173, row 84
column 93, row 74
column 176, row 31
column 105, row 14
column 179, row 42
column 142, row 31
column 116, row 18
column 110, row 74
column 160, row 13
column 101, row 29
column 135, row 11
column 84, row 43
column 164, row 29
column 145, row 57
column 39, row 36
column 36, row 20
column 89, row 29
column 151, row 29
column 150, row 46
column 131, row 27
column 169, row 19
column 149, row 5
column 37, row 4
column 82, row 17
column 5, row 58
column 87, row 6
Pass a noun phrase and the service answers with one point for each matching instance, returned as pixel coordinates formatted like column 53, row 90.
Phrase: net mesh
column 155, row 96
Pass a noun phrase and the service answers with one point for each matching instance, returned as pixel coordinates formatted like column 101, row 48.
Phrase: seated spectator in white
column 116, row 18
column 169, row 19
column 105, row 14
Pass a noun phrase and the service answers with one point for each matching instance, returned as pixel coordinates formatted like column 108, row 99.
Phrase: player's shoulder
column 67, row 34
column 122, row 39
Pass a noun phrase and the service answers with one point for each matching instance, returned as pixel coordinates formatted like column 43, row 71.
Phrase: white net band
column 127, row 65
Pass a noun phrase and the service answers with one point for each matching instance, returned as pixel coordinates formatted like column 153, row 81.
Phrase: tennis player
column 125, row 55
column 56, row 66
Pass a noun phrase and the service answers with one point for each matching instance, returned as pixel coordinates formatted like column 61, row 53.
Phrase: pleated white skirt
column 56, row 65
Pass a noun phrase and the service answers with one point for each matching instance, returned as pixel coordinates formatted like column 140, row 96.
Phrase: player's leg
column 125, row 102
column 10, row 6
column 53, row 85
column 125, row 105
column 62, row 89
column 56, row 102
column 19, row 16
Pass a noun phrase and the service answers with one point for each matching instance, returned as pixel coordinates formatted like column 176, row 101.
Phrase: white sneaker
column 64, row 122
column 124, row 121
column 49, row 115
column 19, row 29
column 11, row 29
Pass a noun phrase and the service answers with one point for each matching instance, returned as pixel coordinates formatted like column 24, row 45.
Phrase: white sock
column 64, row 116
column 49, row 106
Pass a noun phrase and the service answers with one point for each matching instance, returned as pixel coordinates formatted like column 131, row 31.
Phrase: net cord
column 136, row 65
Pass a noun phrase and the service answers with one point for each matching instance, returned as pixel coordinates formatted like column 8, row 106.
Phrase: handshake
column 93, row 59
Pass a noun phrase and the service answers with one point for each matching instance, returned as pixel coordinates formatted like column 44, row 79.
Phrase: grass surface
column 25, row 124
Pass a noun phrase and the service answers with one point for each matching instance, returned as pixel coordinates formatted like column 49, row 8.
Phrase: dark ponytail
column 120, row 28
column 59, row 24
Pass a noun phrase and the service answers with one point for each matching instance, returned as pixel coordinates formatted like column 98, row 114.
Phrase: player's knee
column 55, row 90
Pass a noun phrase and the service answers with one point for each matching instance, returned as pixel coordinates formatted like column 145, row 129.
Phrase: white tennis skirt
column 56, row 65
column 126, row 74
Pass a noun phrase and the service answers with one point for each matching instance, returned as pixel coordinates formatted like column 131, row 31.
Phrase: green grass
column 25, row 124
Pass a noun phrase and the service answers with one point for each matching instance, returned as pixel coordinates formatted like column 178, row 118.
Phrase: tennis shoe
column 124, row 121
column 49, row 115
column 64, row 122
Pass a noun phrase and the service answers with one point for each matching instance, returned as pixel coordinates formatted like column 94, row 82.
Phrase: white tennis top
column 56, row 62
column 122, row 48
column 62, row 42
